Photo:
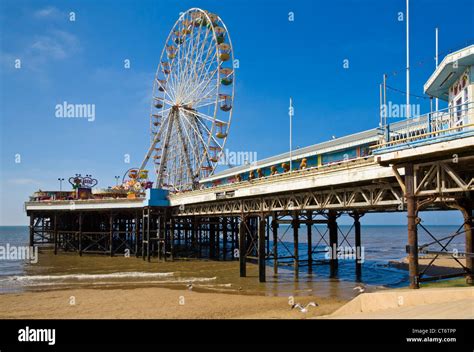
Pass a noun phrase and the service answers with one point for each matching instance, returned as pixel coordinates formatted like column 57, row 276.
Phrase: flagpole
column 291, row 133
column 436, row 58
column 408, row 60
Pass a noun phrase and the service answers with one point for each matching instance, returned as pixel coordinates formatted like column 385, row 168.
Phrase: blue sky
column 82, row 62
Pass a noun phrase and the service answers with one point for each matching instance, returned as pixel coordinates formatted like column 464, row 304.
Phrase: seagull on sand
column 189, row 286
column 360, row 288
column 305, row 308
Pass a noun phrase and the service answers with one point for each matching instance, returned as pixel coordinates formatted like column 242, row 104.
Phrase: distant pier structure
column 418, row 164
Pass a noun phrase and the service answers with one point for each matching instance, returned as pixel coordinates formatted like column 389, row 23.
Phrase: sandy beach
column 155, row 303
column 164, row 303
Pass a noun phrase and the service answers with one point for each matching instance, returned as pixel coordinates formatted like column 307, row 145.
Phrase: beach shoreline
column 156, row 303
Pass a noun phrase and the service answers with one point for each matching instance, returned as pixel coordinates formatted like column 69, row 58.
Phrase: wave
column 182, row 281
column 119, row 275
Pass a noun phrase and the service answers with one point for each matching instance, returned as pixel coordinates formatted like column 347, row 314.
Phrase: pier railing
column 432, row 127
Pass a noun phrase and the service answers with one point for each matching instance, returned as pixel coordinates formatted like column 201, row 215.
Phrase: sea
column 381, row 244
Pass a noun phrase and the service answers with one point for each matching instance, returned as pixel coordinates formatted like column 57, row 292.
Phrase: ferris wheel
column 192, row 102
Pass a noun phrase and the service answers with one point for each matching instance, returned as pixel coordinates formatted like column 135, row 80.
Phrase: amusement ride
column 191, row 105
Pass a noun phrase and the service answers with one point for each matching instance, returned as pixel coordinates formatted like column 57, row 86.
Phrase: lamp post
column 60, row 183
column 60, row 179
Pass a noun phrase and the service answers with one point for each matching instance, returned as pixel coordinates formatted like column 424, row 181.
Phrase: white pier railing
column 433, row 126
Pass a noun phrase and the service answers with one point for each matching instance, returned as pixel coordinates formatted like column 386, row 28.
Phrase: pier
column 420, row 164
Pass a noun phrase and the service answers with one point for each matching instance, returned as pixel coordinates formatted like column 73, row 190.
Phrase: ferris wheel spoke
column 203, row 84
column 197, row 74
column 205, row 101
column 169, row 102
column 169, row 90
column 181, row 56
column 165, row 110
column 165, row 144
column 189, row 80
column 198, row 51
column 207, row 62
column 185, row 147
column 201, row 43
column 207, row 117
column 210, row 133
column 150, row 151
column 190, row 140
column 175, row 69
column 195, row 40
column 198, row 89
column 159, row 84
column 170, row 76
column 198, row 132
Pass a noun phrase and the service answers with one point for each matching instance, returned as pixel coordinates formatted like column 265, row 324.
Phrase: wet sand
column 441, row 266
column 156, row 303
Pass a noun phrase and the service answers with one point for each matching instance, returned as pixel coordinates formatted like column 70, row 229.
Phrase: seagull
column 360, row 288
column 189, row 286
column 305, row 308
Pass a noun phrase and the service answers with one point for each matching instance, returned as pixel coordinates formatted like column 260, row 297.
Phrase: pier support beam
column 32, row 229
column 137, row 234
column 55, row 235
column 275, row 243
column 242, row 248
column 469, row 248
column 358, row 248
column 296, row 225
column 173, row 231
column 146, row 243
column 224, row 238
column 111, row 235
column 333, row 243
column 412, row 227
column 261, row 249
column 199, row 238
column 212, row 239
column 234, row 235
column 194, row 235
column 467, row 212
column 80, row 233
column 161, row 232
column 309, row 226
